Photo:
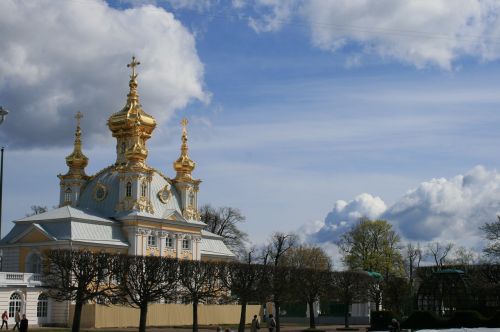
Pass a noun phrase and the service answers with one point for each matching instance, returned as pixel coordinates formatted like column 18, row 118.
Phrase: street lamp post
column 3, row 114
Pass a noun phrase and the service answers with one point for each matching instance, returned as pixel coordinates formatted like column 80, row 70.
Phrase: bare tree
column 492, row 234
column 36, row 209
column 245, row 281
column 349, row 287
column 464, row 256
column 78, row 276
column 438, row 252
column 412, row 257
column 200, row 282
column 310, row 276
column 224, row 221
column 146, row 279
column 279, row 279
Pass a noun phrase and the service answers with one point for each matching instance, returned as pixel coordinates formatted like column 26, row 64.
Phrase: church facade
column 128, row 207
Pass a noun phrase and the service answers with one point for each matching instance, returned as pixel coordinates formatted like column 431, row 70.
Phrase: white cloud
column 61, row 57
column 417, row 32
column 445, row 210
column 345, row 214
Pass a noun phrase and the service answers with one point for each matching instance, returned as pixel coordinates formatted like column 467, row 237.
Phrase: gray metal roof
column 214, row 247
column 110, row 178
column 65, row 212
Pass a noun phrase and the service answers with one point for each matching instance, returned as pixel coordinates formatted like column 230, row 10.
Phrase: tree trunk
column 346, row 315
column 77, row 316
column 312, row 322
column 143, row 317
column 277, row 318
column 241, row 327
column 195, row 316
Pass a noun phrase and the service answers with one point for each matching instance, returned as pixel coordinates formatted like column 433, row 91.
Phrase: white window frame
column 128, row 189
column 152, row 241
column 186, row 244
column 15, row 304
column 42, row 306
column 169, row 242
column 67, row 195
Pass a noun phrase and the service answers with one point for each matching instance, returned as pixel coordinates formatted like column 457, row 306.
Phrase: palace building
column 128, row 207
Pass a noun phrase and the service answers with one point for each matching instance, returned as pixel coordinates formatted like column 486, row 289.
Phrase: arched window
column 15, row 304
column 123, row 147
column 42, row 306
column 144, row 189
column 34, row 264
column 67, row 195
column 186, row 244
column 129, row 189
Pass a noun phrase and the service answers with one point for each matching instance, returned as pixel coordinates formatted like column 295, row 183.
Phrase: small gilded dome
column 184, row 166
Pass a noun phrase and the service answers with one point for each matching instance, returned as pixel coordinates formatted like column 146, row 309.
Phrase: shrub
column 380, row 320
column 467, row 318
column 423, row 320
column 494, row 320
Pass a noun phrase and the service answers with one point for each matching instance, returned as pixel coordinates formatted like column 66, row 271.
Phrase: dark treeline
column 86, row 277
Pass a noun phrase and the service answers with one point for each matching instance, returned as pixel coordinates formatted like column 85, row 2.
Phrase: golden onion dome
column 184, row 166
column 77, row 161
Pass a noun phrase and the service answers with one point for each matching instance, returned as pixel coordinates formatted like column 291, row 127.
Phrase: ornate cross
column 78, row 117
column 184, row 122
column 132, row 65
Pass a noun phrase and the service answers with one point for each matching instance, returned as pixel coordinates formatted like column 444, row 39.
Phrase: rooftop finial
column 184, row 165
column 77, row 161
column 132, row 65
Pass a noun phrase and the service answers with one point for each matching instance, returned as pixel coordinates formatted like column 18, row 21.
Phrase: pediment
column 34, row 234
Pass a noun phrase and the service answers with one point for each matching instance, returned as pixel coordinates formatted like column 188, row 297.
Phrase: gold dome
column 77, row 161
column 132, row 127
column 184, row 166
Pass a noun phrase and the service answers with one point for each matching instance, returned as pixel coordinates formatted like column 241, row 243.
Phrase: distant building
column 128, row 207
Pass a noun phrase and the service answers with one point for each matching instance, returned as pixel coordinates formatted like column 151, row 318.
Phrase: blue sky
column 293, row 106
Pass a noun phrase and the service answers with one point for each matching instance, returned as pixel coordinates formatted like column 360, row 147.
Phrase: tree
column 199, row 282
column 349, row 287
column 438, row 252
column 78, row 276
column 224, row 221
column 244, row 280
column 492, row 234
column 464, row 256
column 412, row 258
column 372, row 246
column 310, row 276
column 146, row 279
column 279, row 278
column 36, row 209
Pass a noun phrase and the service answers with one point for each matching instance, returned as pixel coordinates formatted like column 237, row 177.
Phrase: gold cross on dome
column 78, row 117
column 132, row 65
column 184, row 122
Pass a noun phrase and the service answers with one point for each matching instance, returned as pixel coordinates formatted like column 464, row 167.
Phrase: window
column 42, row 306
column 151, row 241
column 169, row 242
column 124, row 147
column 186, row 244
column 67, row 195
column 15, row 304
column 144, row 189
column 191, row 199
column 129, row 189
column 34, row 264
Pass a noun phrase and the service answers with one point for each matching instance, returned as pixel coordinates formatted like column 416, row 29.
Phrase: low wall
column 97, row 316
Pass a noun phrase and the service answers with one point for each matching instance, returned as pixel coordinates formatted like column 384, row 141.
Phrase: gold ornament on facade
column 165, row 194
column 76, row 161
column 132, row 127
column 100, row 192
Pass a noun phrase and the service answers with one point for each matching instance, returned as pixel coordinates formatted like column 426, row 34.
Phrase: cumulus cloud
column 415, row 32
column 437, row 210
column 345, row 214
column 62, row 57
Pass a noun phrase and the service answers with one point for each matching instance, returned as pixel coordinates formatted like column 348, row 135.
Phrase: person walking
column 17, row 319
column 24, row 324
column 271, row 323
column 255, row 324
column 5, row 318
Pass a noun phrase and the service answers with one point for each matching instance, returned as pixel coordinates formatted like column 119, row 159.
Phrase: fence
column 99, row 316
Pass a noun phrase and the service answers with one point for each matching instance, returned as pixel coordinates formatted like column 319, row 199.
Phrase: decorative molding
column 100, row 192
column 165, row 194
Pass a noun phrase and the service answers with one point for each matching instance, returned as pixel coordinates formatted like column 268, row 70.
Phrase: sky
column 305, row 115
